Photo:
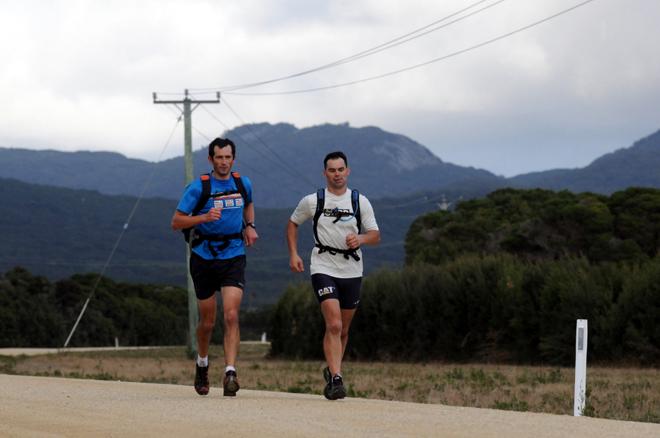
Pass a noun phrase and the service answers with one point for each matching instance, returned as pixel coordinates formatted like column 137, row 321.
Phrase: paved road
column 44, row 406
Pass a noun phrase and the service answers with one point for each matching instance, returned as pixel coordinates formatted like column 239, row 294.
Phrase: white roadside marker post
column 580, row 367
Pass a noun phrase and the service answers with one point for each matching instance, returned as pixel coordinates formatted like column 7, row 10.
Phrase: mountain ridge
column 285, row 163
column 636, row 165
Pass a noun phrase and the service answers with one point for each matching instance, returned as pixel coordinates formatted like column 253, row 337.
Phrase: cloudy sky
column 79, row 75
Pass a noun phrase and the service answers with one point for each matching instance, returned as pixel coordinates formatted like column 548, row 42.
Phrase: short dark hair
column 221, row 143
column 334, row 156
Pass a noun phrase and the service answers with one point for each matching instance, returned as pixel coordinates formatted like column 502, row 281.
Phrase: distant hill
column 635, row 166
column 58, row 232
column 284, row 163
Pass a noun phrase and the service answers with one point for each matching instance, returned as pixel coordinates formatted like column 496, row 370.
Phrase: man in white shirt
column 343, row 221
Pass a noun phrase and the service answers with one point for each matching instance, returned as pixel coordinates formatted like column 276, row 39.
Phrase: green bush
column 541, row 224
column 36, row 313
column 297, row 326
column 492, row 309
column 636, row 316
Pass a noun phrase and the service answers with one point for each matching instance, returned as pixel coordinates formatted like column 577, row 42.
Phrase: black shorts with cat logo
column 346, row 290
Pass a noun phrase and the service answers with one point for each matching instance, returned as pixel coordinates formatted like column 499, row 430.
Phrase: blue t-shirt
column 231, row 220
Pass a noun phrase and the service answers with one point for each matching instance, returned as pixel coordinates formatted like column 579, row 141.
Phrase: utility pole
column 193, row 316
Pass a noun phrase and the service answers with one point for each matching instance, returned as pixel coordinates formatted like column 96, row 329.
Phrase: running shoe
column 335, row 389
column 230, row 384
column 326, row 375
column 202, row 380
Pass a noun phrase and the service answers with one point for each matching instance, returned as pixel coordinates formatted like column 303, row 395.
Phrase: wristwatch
column 250, row 224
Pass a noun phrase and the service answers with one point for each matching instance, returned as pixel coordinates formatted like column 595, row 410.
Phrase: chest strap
column 224, row 239
column 335, row 251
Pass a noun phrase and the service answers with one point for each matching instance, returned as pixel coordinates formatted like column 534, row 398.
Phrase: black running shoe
column 202, row 380
column 326, row 374
column 230, row 384
column 335, row 389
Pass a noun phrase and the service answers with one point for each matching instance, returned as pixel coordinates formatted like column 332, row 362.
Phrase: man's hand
column 353, row 241
column 296, row 263
column 251, row 236
column 213, row 215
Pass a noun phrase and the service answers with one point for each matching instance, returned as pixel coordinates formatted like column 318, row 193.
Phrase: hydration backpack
column 320, row 204
column 192, row 235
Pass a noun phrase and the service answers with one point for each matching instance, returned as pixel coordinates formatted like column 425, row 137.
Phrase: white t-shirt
column 334, row 234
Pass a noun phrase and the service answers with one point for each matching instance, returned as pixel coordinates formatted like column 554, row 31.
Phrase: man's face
column 336, row 173
column 222, row 160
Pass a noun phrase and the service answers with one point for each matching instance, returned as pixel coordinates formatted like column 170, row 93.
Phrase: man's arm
column 371, row 237
column 295, row 262
column 181, row 220
column 251, row 235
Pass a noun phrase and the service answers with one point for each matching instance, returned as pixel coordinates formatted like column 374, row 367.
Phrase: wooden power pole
column 186, row 110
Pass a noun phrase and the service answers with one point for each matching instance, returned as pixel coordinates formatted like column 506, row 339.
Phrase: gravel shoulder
column 46, row 406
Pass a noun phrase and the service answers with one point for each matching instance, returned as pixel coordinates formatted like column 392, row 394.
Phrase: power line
column 416, row 66
column 264, row 174
column 120, row 237
column 422, row 200
column 419, row 201
column 291, row 171
column 178, row 115
column 243, row 164
column 368, row 52
column 277, row 156
column 209, row 139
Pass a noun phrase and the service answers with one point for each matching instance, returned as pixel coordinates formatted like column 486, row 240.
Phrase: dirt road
column 42, row 406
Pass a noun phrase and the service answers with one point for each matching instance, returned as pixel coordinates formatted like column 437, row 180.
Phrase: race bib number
column 228, row 201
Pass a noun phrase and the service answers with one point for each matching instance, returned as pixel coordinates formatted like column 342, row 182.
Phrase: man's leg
column 231, row 303
column 346, row 318
column 332, row 345
column 333, row 349
column 207, row 313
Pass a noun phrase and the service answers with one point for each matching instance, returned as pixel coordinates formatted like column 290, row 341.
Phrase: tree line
column 503, row 279
column 35, row 312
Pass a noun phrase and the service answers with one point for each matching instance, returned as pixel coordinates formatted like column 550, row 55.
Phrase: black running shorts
column 210, row 276
column 346, row 290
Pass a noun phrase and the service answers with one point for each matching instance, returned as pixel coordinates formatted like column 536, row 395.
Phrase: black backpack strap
column 320, row 204
column 201, row 202
column 206, row 193
column 334, row 251
column 240, row 186
column 223, row 239
column 355, row 202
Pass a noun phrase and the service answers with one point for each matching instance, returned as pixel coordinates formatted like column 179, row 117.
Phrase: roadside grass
column 7, row 364
column 616, row 393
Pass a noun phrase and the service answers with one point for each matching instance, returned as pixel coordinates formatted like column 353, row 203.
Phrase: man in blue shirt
column 220, row 232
